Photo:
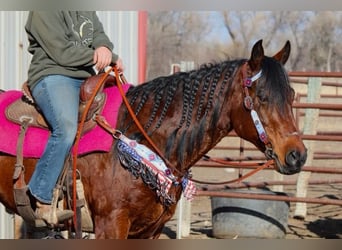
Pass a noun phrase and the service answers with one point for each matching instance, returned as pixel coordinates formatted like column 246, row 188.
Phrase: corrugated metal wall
column 121, row 27
column 14, row 58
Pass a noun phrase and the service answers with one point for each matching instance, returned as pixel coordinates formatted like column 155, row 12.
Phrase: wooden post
column 184, row 206
column 184, row 218
column 310, row 128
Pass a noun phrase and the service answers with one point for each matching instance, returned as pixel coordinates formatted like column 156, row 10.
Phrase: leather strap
column 138, row 124
column 76, row 209
column 20, row 189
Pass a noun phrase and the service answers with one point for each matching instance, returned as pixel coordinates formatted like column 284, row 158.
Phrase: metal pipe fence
column 320, row 136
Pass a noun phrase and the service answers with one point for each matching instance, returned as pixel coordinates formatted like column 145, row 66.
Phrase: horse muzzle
column 294, row 161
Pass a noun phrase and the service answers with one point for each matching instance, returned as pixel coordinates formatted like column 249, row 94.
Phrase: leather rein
column 246, row 83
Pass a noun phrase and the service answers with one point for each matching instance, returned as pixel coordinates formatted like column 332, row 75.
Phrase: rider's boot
column 51, row 216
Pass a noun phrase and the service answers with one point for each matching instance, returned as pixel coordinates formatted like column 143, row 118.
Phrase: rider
column 67, row 47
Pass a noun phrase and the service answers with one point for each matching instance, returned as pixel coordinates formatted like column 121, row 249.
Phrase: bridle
column 247, row 82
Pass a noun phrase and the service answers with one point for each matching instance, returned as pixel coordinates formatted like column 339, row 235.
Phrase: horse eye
column 262, row 96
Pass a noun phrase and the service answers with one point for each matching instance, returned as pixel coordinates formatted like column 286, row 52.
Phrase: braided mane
column 197, row 109
column 194, row 95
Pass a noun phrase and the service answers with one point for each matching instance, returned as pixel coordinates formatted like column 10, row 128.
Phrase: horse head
column 266, row 109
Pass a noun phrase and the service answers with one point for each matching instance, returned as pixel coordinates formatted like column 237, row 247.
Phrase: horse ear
column 284, row 53
column 256, row 56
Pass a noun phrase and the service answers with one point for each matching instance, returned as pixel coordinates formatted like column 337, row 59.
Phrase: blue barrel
column 249, row 218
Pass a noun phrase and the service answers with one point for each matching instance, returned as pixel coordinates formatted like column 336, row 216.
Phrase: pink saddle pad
column 36, row 138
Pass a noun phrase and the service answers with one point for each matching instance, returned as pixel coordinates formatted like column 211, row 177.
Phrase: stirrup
column 24, row 208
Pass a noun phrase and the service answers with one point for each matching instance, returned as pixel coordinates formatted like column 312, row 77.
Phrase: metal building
column 122, row 27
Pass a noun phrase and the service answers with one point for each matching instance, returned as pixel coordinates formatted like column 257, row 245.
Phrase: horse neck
column 204, row 119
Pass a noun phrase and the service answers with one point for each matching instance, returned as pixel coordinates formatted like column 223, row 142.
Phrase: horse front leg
column 113, row 226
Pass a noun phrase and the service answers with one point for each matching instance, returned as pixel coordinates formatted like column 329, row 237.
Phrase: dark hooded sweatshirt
column 63, row 42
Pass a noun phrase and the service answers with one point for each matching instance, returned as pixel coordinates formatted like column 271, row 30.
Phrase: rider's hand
column 119, row 65
column 102, row 58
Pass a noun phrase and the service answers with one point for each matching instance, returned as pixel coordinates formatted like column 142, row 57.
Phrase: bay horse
column 186, row 115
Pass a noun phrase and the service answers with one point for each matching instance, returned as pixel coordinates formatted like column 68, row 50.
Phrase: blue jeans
column 57, row 97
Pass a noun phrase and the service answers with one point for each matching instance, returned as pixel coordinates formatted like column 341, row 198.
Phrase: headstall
column 247, row 83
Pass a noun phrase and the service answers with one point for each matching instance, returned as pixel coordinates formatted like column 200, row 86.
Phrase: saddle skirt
column 36, row 138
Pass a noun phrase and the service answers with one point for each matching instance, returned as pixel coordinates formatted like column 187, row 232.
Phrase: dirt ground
column 321, row 222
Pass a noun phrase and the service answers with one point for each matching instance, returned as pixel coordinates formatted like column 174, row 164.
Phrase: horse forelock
column 276, row 83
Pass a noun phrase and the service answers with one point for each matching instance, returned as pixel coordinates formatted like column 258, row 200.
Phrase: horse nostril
column 295, row 159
